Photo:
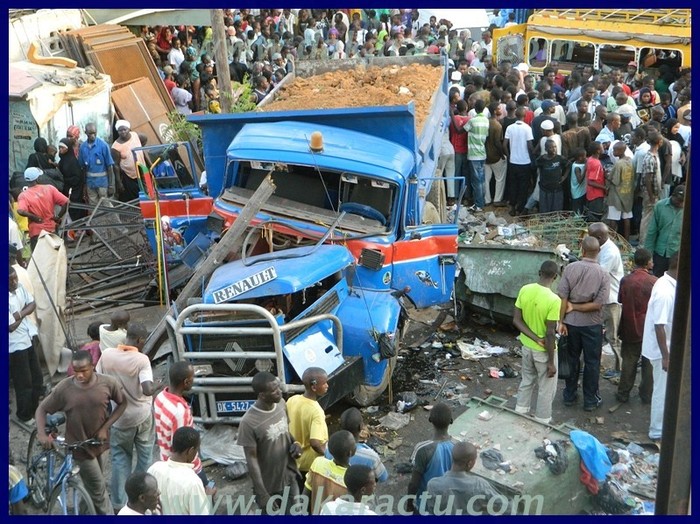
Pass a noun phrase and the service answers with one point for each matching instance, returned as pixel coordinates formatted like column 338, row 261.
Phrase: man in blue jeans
column 478, row 131
column 584, row 289
column 135, row 430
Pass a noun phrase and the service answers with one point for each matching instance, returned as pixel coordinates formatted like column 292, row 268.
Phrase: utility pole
column 221, row 57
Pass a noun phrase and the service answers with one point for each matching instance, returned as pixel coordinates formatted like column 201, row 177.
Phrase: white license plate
column 233, row 406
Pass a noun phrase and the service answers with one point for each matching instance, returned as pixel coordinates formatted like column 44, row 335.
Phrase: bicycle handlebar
column 77, row 445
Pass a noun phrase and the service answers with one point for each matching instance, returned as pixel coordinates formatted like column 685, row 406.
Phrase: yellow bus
column 603, row 38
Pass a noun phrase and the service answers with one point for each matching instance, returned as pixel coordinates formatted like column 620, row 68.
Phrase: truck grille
column 325, row 305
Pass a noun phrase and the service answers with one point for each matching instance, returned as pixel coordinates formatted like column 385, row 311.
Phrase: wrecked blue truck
column 332, row 257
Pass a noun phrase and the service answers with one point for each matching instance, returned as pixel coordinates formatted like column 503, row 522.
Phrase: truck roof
column 235, row 280
column 344, row 150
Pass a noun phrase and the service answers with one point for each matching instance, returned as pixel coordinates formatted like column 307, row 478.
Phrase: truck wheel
column 437, row 198
column 366, row 395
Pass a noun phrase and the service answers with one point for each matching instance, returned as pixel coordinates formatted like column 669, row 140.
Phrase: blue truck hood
column 292, row 270
column 343, row 150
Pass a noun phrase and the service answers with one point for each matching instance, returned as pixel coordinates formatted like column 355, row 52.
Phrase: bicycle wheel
column 75, row 500
column 38, row 476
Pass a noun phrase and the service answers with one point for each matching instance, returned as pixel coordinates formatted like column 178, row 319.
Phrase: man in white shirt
column 181, row 490
column 610, row 259
column 25, row 370
column 656, row 341
column 144, row 495
column 519, row 150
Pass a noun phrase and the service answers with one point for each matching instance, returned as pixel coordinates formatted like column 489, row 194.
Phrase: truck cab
column 335, row 252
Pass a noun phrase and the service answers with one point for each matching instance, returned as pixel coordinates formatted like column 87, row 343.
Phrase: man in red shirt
column 595, row 183
column 634, row 295
column 38, row 203
column 458, row 138
column 172, row 411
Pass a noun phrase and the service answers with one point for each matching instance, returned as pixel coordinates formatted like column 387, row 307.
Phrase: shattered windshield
column 310, row 193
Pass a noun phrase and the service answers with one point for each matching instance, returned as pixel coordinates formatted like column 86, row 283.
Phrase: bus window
column 511, row 48
column 572, row 53
column 615, row 56
column 538, row 52
column 654, row 57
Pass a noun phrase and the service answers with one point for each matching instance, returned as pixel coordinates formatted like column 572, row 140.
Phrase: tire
column 37, row 476
column 77, row 502
column 33, row 449
column 366, row 395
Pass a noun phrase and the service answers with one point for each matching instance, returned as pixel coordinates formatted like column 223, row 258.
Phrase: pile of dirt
column 363, row 86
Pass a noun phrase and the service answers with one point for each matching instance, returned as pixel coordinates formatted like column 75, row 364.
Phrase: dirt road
column 438, row 374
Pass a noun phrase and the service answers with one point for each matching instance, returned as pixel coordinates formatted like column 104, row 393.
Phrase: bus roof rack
column 672, row 17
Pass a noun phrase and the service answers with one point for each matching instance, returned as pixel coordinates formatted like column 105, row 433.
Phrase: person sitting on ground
column 181, row 490
column 351, row 420
column 360, row 482
column 462, row 492
column 143, row 495
column 92, row 347
column 431, row 458
column 326, row 477
column 113, row 334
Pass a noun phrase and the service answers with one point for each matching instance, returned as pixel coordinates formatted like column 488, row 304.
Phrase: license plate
column 233, row 406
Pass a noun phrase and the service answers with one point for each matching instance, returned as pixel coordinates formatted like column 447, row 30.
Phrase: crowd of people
column 613, row 146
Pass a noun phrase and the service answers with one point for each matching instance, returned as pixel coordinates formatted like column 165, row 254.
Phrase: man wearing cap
column 96, row 161
column 632, row 78
column 547, row 115
column 37, row 203
column 127, row 178
column 664, row 234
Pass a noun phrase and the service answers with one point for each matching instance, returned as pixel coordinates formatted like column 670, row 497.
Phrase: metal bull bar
column 206, row 387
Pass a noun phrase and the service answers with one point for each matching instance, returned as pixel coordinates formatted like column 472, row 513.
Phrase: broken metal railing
column 110, row 262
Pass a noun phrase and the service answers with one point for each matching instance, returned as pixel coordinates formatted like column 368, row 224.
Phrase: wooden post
column 232, row 241
column 223, row 76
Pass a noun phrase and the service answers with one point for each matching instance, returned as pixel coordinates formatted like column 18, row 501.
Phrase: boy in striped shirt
column 172, row 411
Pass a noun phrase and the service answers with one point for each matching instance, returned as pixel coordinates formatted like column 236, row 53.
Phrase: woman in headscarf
column 40, row 157
column 123, row 145
column 73, row 185
column 644, row 104
column 73, row 135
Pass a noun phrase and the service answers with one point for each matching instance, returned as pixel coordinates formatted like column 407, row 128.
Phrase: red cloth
column 594, row 173
column 459, row 140
column 41, row 200
column 634, row 295
column 587, row 479
column 529, row 117
column 94, row 349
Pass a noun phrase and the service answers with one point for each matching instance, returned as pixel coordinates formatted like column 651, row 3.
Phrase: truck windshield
column 312, row 194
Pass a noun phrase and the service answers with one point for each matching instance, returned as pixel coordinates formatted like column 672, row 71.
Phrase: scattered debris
column 371, row 409
column 485, row 415
column 479, row 349
column 395, row 443
column 395, row 421
column 407, row 401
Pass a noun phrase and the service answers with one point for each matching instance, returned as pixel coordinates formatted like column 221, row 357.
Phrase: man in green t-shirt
column 536, row 315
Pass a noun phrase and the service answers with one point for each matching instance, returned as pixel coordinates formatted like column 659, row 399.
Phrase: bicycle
column 52, row 476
